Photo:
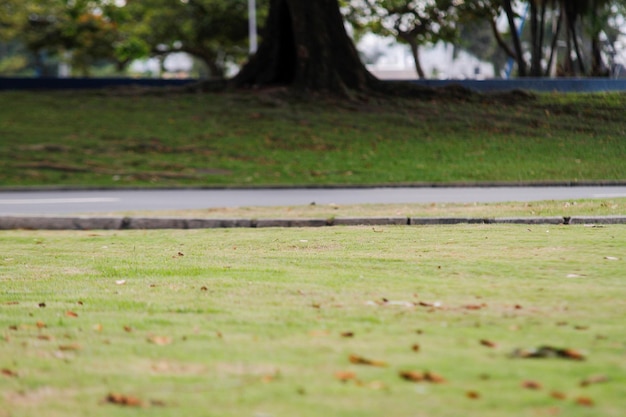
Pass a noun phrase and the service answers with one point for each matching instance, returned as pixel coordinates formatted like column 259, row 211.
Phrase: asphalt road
column 74, row 202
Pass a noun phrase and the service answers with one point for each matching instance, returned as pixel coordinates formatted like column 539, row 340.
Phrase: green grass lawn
column 264, row 138
column 265, row 322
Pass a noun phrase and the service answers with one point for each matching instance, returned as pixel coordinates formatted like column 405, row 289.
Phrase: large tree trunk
column 305, row 45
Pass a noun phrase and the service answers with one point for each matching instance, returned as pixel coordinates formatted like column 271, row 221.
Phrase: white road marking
column 33, row 201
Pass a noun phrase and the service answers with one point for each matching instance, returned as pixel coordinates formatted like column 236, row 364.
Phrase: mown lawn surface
column 254, row 139
column 310, row 322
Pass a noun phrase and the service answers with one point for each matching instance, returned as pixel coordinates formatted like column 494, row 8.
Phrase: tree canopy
column 303, row 40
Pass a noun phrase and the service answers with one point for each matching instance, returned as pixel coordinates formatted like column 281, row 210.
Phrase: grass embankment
column 114, row 139
column 310, row 322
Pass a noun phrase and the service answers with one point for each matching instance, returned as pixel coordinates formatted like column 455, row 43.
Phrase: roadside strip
column 145, row 223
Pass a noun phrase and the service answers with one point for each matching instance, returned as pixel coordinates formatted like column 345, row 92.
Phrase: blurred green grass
column 265, row 138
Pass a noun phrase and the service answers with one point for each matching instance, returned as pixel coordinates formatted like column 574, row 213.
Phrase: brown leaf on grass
column 558, row 395
column 345, row 376
column 415, row 347
column 8, row 372
column 41, row 305
column 123, row 400
column 548, row 352
column 11, row 303
column 70, row 314
column 203, row 288
column 128, row 329
column 160, row 340
column 472, row 395
column 594, row 379
column 44, row 337
column 347, row 334
column 434, row 378
column 531, row 385
column 488, row 343
column 413, row 376
column 474, row 306
column 70, row 347
column 359, row 360
column 97, row 327
column 585, row 401
column 41, row 324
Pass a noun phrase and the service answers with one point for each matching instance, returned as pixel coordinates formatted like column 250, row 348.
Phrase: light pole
column 252, row 26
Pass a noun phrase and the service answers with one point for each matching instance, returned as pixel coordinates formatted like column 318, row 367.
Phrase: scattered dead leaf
column 160, row 340
column 594, row 379
column 203, row 288
column 11, row 303
column 41, row 325
column 347, row 334
column 359, row 360
column 128, row 329
column 434, row 377
column 97, row 327
column 473, row 395
column 70, row 347
column 488, row 343
column 581, row 327
column 413, row 376
column 41, row 305
column 558, row 395
column 415, row 347
column 345, row 376
column 8, row 372
column 44, row 337
column 123, row 400
column 531, row 385
column 474, row 306
column 71, row 314
column 584, row 401
column 548, row 352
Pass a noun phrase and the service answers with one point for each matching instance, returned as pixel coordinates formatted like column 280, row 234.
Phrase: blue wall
column 580, row 85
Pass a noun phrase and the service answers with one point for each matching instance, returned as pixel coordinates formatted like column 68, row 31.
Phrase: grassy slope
column 83, row 138
column 249, row 322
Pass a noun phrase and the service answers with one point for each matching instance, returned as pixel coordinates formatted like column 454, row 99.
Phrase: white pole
column 252, row 26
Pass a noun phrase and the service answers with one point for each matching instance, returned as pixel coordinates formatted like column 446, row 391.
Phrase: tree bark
column 305, row 45
column 521, row 63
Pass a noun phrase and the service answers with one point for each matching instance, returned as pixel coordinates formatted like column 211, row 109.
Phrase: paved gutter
column 155, row 223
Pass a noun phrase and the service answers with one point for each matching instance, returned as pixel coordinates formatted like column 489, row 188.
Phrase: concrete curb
column 150, row 223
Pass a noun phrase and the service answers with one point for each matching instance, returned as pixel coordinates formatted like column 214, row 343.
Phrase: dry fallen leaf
column 413, row 376
column 488, row 343
column 347, row 334
column 474, row 395
column 160, row 340
column 558, row 395
column 434, row 378
column 8, row 372
column 128, row 329
column 531, row 385
column 415, row 348
column 41, row 305
column 71, row 314
column 44, row 337
column 594, row 379
column 474, row 306
column 345, row 376
column 359, row 360
column 586, row 401
column 124, row 400
column 70, row 347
